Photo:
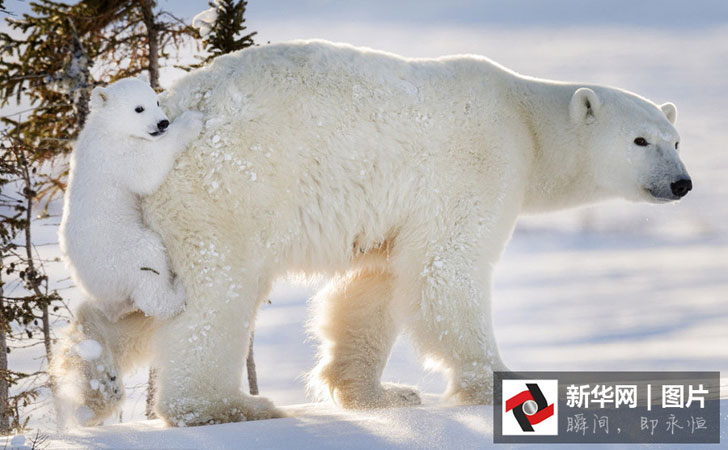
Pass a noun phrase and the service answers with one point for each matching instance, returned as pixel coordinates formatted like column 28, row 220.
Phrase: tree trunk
column 152, row 41
column 151, row 393
column 250, row 365
column 80, row 74
column 4, row 388
column 146, row 7
column 30, row 262
column 45, row 318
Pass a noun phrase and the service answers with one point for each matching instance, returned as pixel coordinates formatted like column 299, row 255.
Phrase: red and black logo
column 530, row 407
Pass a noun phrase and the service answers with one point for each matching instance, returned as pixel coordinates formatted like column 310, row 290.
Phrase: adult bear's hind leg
column 200, row 353
column 92, row 357
column 356, row 330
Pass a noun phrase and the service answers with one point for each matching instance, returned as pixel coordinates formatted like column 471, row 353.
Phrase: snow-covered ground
column 613, row 287
column 320, row 427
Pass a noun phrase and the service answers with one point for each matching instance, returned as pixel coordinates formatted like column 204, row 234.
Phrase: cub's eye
column 157, row 102
column 139, row 109
column 677, row 144
column 642, row 142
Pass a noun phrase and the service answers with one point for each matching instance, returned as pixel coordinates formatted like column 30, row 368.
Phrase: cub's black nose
column 681, row 187
column 163, row 124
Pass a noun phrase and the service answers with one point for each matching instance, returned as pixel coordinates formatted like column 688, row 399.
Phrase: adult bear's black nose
column 681, row 187
column 163, row 124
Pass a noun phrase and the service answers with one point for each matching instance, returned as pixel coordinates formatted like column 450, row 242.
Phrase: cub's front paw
column 179, row 297
column 165, row 304
column 190, row 122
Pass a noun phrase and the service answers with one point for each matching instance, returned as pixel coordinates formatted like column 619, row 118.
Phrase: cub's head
column 130, row 107
column 635, row 149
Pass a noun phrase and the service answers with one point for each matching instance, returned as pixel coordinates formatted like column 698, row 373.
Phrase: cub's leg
column 356, row 331
column 146, row 269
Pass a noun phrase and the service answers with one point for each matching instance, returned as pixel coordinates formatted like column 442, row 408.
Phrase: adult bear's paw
column 472, row 393
column 388, row 395
column 188, row 412
column 90, row 385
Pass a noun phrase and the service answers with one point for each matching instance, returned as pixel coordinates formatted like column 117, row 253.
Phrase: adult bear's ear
column 670, row 111
column 143, row 77
column 584, row 106
column 99, row 97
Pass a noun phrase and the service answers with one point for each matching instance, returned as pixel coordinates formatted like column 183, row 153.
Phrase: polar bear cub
column 123, row 153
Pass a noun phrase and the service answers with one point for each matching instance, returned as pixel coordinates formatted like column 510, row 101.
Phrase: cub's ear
column 143, row 77
column 584, row 106
column 162, row 96
column 670, row 111
column 99, row 97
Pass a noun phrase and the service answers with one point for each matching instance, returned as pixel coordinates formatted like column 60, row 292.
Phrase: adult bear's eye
column 677, row 144
column 139, row 109
column 642, row 142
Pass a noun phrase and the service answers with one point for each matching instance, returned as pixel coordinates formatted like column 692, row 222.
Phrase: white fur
column 113, row 256
column 91, row 389
column 401, row 178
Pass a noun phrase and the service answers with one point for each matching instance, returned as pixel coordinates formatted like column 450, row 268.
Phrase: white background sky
column 678, row 15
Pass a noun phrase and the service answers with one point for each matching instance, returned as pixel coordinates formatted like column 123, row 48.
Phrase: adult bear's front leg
column 447, row 307
column 200, row 353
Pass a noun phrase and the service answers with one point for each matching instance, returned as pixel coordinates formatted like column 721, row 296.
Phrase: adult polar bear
column 403, row 179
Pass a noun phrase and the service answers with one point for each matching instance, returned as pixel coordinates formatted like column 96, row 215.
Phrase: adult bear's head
column 633, row 144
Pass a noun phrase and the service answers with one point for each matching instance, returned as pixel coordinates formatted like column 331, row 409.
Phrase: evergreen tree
column 139, row 36
column 221, row 28
column 49, row 67
column 25, row 297
column 49, row 64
